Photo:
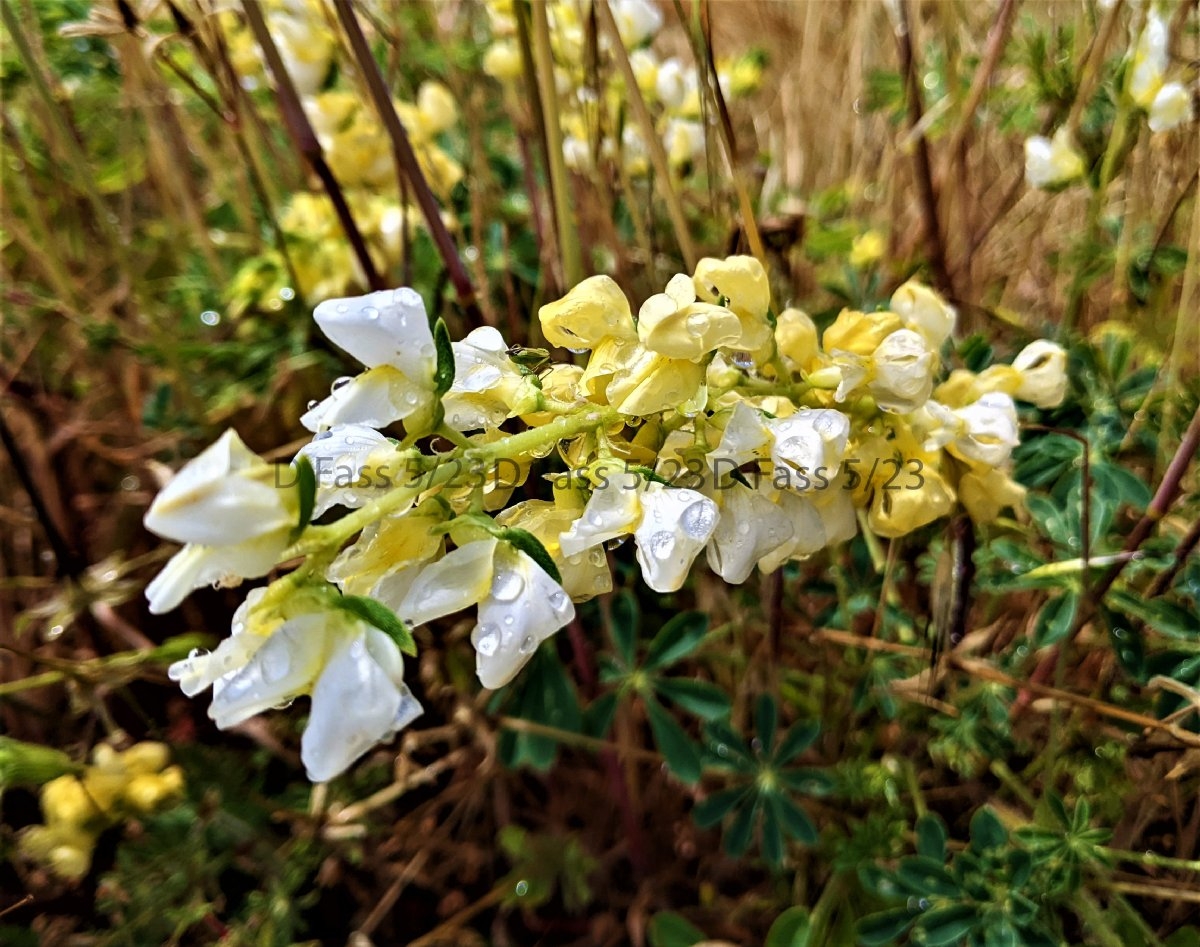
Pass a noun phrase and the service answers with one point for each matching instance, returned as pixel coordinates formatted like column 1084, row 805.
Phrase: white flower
column 1149, row 60
column 1043, row 371
column 924, row 311
column 683, row 141
column 804, row 446
column 354, row 673
column 903, row 372
column 670, row 526
column 987, row 430
column 1051, row 162
column 388, row 331
column 1172, row 106
column 673, row 83
column 520, row 605
column 226, row 495
column 233, row 511
column 750, row 528
column 637, row 20
column 351, row 463
column 488, row 386
column 808, row 531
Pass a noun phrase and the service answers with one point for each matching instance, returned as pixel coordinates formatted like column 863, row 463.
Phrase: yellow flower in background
column 866, row 249
column 1052, row 162
column 986, row 494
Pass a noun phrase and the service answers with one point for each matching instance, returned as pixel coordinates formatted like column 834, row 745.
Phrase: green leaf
column 529, row 544
column 799, row 738
column 741, row 829
column 378, row 615
column 306, row 484
column 678, row 638
column 987, row 831
column 598, row 716
column 1127, row 645
column 712, row 810
column 668, row 929
column 706, row 701
column 931, row 837
column 623, row 625
column 924, row 877
column 795, row 821
column 766, row 718
column 884, row 927
column 443, row 376
column 772, row 833
column 1159, row 614
column 791, row 929
column 1055, row 619
column 947, row 926
column 808, row 781
column 681, row 754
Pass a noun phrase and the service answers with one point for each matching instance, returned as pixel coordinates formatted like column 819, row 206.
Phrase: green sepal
column 443, row 376
column 379, row 616
column 529, row 544
column 306, row 483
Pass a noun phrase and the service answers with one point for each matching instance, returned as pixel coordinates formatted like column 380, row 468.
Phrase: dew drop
column 743, row 529
column 528, row 644
column 743, row 360
column 557, row 600
column 487, row 640
column 287, row 294
column 55, row 632
column 507, row 584
column 130, row 483
column 698, row 520
column 371, row 313
column 695, row 324
column 662, row 544
column 323, row 435
column 312, row 404
column 275, row 664
column 340, row 383
column 578, row 351
column 522, row 888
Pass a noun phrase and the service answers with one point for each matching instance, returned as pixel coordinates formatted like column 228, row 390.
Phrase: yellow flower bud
column 743, row 281
column 593, row 311
column 796, row 337
column 66, row 800
column 149, row 791
column 147, row 757
column 436, row 107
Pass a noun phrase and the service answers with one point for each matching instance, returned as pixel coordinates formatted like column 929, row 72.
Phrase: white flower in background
column 670, row 526
column 637, row 21
column 520, row 605
column 683, row 141
column 674, row 83
column 354, row 673
column 987, row 430
column 902, row 369
column 1052, row 162
column 233, row 511
column 488, row 385
column 1042, row 366
column 1172, row 106
column 1150, row 60
column 304, row 42
column 388, row 331
column 352, row 463
column 924, row 311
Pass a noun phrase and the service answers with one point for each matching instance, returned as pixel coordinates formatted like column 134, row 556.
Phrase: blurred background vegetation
column 775, row 763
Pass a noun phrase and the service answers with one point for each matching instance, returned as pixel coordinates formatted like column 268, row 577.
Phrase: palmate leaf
column 667, row 929
column 791, row 929
column 712, row 810
column 884, row 927
column 741, row 829
column 793, row 820
column 623, row 624
column 766, row 717
column 798, row 738
column 946, row 926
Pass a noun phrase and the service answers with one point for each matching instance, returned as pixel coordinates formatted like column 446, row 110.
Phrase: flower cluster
column 595, row 121
column 358, row 151
column 1052, row 163
column 117, row 785
column 709, row 424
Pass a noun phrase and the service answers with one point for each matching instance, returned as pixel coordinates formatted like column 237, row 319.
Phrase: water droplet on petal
column 662, row 544
column 371, row 313
column 312, row 404
column 743, row 360
column 528, row 644
column 275, row 663
column 486, row 640
column 339, row 383
column 507, row 584
column 698, row 519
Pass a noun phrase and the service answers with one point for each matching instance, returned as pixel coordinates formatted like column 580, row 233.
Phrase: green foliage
column 765, row 784
column 544, row 864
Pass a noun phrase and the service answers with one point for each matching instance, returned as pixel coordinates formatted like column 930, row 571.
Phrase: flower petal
column 613, row 510
column 456, row 581
column 388, row 327
column 676, row 524
column 375, row 398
